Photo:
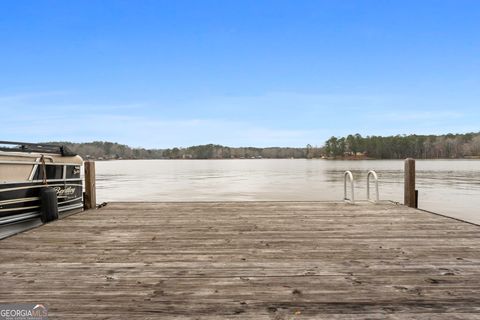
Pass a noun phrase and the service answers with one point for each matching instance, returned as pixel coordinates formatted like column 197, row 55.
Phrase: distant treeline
column 211, row 151
column 448, row 146
column 109, row 150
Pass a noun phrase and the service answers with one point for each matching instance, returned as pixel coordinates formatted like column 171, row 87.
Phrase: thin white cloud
column 27, row 96
column 269, row 119
column 147, row 132
column 412, row 115
column 288, row 100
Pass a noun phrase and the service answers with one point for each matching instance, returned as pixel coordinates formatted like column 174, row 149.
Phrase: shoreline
column 327, row 159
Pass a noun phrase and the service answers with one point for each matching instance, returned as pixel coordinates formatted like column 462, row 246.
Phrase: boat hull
column 20, row 198
column 23, row 176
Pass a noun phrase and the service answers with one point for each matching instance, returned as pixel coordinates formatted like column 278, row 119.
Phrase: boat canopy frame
column 63, row 150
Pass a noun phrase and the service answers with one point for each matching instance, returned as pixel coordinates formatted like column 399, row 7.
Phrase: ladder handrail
column 350, row 177
column 375, row 176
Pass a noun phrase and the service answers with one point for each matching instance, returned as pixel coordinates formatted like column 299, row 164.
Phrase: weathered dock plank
column 247, row 260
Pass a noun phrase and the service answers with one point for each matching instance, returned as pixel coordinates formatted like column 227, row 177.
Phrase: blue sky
column 237, row 72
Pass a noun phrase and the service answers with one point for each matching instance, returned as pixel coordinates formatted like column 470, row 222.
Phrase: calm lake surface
column 450, row 187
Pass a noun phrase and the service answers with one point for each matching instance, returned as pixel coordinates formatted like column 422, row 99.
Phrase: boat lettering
column 68, row 191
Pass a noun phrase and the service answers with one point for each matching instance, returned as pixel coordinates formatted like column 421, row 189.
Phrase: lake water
column 450, row 187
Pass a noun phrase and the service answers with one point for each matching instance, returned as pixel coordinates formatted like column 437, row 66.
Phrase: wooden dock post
column 409, row 191
column 90, row 198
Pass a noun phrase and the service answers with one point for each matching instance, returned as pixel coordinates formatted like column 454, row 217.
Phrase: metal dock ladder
column 348, row 175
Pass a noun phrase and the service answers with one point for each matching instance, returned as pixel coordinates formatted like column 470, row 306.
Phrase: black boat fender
column 49, row 204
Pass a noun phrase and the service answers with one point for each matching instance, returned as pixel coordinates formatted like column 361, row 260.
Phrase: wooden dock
column 247, row 260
